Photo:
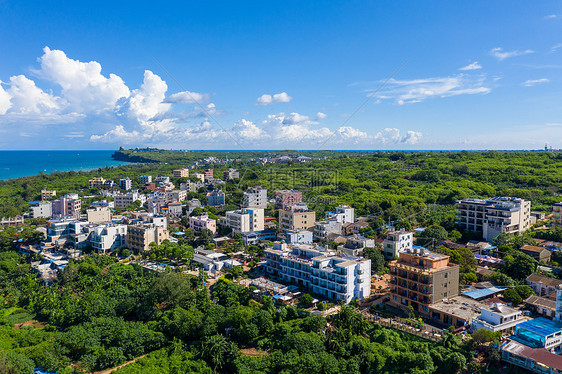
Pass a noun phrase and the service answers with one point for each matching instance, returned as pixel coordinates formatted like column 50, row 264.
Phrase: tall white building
column 144, row 179
column 126, row 184
column 124, row 200
column 41, row 209
column 255, row 197
column 323, row 273
column 245, row 220
column 494, row 216
column 396, row 242
column 342, row 214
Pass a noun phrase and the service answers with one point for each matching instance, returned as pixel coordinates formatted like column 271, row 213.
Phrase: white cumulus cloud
column 266, row 99
column 188, row 97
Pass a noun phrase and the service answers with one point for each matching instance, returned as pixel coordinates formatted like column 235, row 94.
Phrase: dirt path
column 108, row 371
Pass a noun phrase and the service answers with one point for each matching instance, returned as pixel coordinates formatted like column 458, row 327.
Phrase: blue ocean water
column 15, row 164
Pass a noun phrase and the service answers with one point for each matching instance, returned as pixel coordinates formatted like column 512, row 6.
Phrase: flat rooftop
column 458, row 306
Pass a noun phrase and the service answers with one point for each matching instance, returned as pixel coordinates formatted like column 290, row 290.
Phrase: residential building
column 126, row 184
column 172, row 210
column 323, row 229
column 255, row 197
column 208, row 173
column 47, row 194
column 494, row 216
column 203, row 222
column 62, row 229
column 200, row 176
column 162, row 180
column 536, row 360
column 245, row 220
column 298, row 237
column 342, row 214
column 557, row 214
column 139, row 236
column 40, row 209
column 287, row 198
column 175, row 195
column 145, row 179
column 109, row 184
column 107, row 238
column 396, row 242
column 124, row 200
column 421, row 278
column 67, row 206
column 98, row 215
column 457, row 311
column 96, row 182
column 181, row 173
column 216, row 198
column 296, row 217
column 231, row 174
column 497, row 317
column 355, row 244
column 541, row 306
column 543, row 286
column 334, row 277
column 540, row 254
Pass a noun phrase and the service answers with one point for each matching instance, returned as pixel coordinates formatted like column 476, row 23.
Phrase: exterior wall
column 323, row 228
column 296, row 220
column 98, row 215
column 140, row 236
column 216, row 198
column 238, row 221
column 181, row 173
column 41, row 210
column 47, row 194
column 255, row 197
column 145, row 179
column 122, row 201
column 287, row 198
column 396, row 242
column 202, row 222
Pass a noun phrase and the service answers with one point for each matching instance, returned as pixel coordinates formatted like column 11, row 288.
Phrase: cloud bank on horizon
column 148, row 115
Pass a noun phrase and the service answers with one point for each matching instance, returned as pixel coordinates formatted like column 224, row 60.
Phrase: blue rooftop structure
column 483, row 293
column 538, row 333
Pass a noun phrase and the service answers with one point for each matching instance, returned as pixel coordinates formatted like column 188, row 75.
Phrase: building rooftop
column 541, row 301
column 459, row 306
column 541, row 326
column 539, row 355
column 550, row 282
column 482, row 293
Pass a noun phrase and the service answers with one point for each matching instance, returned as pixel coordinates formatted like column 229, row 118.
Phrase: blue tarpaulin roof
column 541, row 326
column 485, row 292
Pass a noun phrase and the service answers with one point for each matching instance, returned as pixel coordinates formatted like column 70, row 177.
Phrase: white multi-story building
column 162, row 180
column 124, row 200
column 126, row 184
column 245, row 220
column 342, row 214
column 41, row 209
column 255, row 197
column 497, row 317
column 107, row 238
column 323, row 228
column 494, row 216
column 175, row 195
column 145, row 179
column 396, row 242
column 334, row 277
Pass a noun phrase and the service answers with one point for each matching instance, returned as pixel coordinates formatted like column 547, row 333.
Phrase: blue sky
column 278, row 75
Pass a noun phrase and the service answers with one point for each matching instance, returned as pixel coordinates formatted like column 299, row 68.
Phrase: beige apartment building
column 140, row 236
column 181, row 173
column 47, row 194
column 96, row 182
column 420, row 278
column 98, row 215
column 296, row 217
column 494, row 216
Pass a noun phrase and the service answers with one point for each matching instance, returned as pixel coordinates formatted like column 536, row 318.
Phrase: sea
column 15, row 164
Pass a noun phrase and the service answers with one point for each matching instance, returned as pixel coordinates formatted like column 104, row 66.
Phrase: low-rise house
column 542, row 285
column 497, row 317
column 203, row 222
column 355, row 244
column 323, row 228
column 540, row 254
column 298, row 237
column 456, row 311
column 543, row 306
column 342, row 214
